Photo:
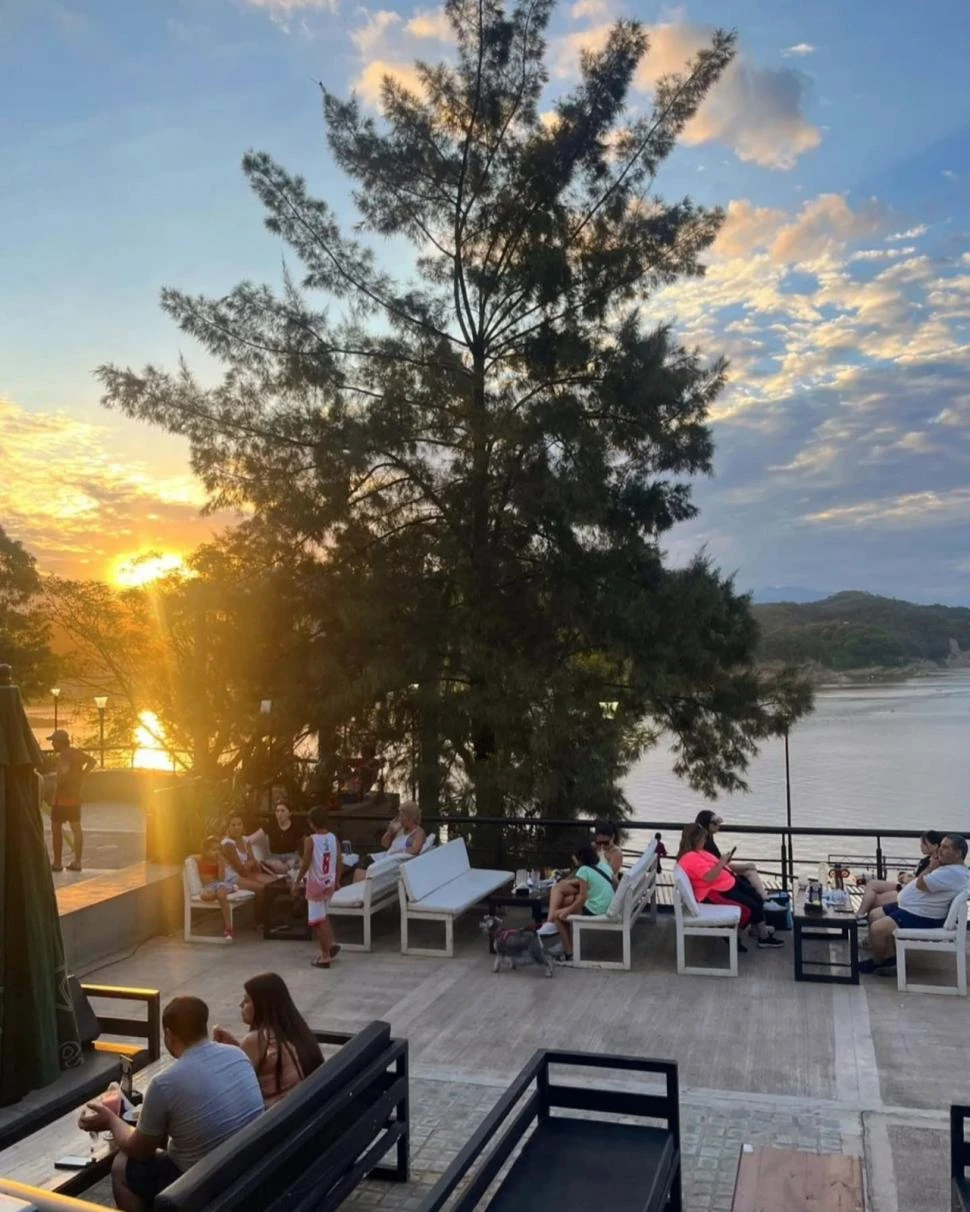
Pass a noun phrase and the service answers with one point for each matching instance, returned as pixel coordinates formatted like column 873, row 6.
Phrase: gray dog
column 515, row 948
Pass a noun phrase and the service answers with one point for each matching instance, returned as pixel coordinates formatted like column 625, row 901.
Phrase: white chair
column 951, row 938
column 192, row 899
column 636, row 890
column 703, row 921
column 368, row 896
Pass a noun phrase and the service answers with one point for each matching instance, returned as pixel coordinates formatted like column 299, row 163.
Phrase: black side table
column 825, row 925
column 277, row 899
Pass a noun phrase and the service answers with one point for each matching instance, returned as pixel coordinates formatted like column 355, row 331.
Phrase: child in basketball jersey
column 320, row 863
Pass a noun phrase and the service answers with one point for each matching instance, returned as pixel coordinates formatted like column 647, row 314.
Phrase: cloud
column 756, row 111
column 901, row 512
column 911, row 233
column 584, row 9
column 431, row 23
column 388, row 47
column 800, row 49
column 288, row 8
column 78, row 508
column 823, row 227
column 370, row 81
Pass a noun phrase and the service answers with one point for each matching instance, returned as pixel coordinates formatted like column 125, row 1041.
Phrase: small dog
column 515, row 948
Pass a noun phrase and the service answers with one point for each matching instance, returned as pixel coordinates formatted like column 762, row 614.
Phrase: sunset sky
column 839, row 143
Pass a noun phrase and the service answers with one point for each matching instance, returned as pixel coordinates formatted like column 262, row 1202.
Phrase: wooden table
column 788, row 1180
column 821, row 925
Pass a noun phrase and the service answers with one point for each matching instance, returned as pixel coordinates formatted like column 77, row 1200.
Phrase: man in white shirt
column 194, row 1105
column 922, row 904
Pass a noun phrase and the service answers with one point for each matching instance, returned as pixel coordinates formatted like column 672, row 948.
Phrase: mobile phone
column 73, row 1161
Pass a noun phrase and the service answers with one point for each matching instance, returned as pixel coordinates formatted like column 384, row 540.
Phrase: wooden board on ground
column 789, row 1180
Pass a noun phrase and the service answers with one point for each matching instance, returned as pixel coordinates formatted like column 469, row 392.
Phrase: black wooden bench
column 959, row 1159
column 307, row 1153
column 101, row 1061
column 572, row 1161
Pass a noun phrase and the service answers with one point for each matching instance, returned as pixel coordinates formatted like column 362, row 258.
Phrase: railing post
column 784, row 864
column 880, row 866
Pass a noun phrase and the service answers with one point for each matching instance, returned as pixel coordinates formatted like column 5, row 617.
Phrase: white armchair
column 192, row 900
column 950, row 938
column 703, row 921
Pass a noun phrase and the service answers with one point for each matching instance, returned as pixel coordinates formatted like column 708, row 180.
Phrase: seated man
column 208, row 1094
column 922, row 904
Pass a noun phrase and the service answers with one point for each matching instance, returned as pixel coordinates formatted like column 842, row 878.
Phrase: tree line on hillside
column 855, row 630
column 459, row 479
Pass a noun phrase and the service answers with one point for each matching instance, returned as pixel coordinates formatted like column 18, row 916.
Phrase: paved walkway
column 866, row 1071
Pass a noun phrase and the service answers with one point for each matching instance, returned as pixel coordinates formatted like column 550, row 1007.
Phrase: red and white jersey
column 322, row 876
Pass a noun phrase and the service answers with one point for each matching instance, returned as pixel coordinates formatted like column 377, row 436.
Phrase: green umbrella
column 38, row 1033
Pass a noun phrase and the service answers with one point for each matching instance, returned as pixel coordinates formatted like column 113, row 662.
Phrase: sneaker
column 887, row 969
column 547, row 928
column 770, row 941
column 228, row 935
column 869, row 966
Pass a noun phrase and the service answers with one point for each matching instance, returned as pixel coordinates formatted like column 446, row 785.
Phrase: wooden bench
column 102, row 1061
column 570, row 1161
column 959, row 1159
column 789, row 1180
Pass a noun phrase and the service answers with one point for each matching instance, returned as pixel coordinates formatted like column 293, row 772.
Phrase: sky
column 839, row 288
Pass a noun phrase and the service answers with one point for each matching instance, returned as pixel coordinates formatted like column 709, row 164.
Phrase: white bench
column 440, row 886
column 950, row 938
column 636, row 890
column 703, row 921
column 192, row 899
column 368, row 896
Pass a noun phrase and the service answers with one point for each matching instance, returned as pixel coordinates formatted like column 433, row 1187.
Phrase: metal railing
column 508, row 832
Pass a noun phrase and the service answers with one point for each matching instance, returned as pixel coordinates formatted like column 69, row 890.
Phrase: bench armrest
column 959, row 1146
column 149, row 1028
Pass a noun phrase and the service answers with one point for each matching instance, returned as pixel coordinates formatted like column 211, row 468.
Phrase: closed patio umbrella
column 38, row 1033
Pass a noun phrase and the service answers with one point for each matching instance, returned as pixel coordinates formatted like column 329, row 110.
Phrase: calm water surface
column 896, row 756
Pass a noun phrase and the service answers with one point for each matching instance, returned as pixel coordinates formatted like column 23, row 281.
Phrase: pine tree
column 484, row 458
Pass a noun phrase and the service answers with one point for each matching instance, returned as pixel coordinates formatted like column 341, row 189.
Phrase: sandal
column 74, row 866
column 57, row 868
column 322, row 963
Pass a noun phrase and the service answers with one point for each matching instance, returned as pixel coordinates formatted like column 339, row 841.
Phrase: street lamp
column 55, row 695
column 609, row 709
column 266, row 708
column 101, row 701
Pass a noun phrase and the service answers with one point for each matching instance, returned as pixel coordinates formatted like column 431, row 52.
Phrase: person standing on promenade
column 321, row 865
column 70, row 766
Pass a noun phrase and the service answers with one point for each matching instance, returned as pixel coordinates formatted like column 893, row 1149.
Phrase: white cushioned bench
column 636, row 890
column 192, row 899
column 440, row 886
column 950, row 938
column 368, row 896
column 703, row 921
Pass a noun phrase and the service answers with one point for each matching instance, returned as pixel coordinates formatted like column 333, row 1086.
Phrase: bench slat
column 789, row 1180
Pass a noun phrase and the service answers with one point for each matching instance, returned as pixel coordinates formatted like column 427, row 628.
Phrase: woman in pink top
column 279, row 1043
column 712, row 881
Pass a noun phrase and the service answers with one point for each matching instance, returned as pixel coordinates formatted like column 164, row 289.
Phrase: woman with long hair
column 279, row 1043
column 744, row 869
column 713, row 881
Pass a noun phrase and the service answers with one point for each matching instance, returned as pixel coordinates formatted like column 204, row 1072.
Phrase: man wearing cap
column 70, row 766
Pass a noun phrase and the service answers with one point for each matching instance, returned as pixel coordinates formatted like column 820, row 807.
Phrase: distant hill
column 788, row 593
column 855, row 630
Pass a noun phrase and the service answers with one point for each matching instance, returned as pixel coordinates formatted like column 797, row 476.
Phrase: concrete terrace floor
column 763, row 1060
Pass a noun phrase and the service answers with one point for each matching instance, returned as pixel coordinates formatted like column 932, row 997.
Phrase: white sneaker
column 548, row 928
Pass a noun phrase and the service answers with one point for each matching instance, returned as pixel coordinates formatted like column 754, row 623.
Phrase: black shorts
column 62, row 813
column 147, row 1178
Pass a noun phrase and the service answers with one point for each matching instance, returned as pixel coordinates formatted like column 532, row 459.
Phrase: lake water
column 896, row 756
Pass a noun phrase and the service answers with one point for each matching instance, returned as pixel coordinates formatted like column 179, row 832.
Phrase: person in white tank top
column 320, row 864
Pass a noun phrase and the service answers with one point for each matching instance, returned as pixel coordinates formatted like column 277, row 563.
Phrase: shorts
column 912, row 921
column 316, row 912
column 217, row 884
column 146, row 1179
column 64, row 813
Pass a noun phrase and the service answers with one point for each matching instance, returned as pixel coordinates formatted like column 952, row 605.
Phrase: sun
column 135, row 570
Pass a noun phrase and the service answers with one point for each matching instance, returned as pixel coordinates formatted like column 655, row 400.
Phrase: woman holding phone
column 714, row 882
column 745, row 870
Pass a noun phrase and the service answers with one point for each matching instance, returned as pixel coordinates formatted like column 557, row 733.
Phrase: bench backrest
column 191, row 878
column 629, row 886
column 684, row 899
column 424, row 874
column 257, row 1164
column 956, row 919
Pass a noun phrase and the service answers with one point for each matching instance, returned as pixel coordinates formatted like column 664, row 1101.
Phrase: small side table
column 294, row 928
column 826, row 925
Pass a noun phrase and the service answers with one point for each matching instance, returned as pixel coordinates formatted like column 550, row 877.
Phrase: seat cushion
column 930, row 935
column 72, row 1088
column 460, row 893
column 589, row 1163
column 716, row 915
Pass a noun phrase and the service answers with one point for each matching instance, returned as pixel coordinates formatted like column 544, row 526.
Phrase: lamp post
column 55, row 695
column 101, row 701
column 266, row 709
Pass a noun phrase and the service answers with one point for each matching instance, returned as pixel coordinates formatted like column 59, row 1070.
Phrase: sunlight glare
column 134, row 571
column 149, row 738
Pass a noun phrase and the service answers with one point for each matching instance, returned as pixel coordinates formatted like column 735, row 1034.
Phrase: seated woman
column 606, row 837
column 589, row 890
column 714, row 882
column 241, row 866
column 284, row 836
column 880, row 893
column 744, row 870
column 279, row 1043
column 404, row 836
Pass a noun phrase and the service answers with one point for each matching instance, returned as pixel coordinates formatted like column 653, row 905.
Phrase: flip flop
column 73, row 867
column 319, row 963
